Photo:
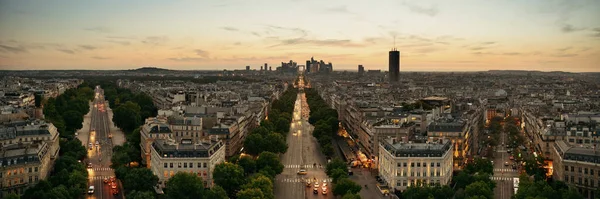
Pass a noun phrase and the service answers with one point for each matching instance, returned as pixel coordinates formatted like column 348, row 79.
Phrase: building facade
column 28, row 150
column 170, row 157
column 403, row 164
column 578, row 167
column 394, row 65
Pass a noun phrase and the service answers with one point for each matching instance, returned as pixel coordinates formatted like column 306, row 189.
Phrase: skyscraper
column 247, row 68
column 394, row 69
column 361, row 69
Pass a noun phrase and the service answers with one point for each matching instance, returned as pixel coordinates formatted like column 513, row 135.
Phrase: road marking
column 102, row 169
column 500, row 178
column 296, row 166
column 505, row 170
column 101, row 177
column 296, row 180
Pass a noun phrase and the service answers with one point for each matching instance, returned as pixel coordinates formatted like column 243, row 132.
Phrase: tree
column 344, row 186
column 253, row 193
column 336, row 163
column 73, row 120
column 217, row 192
column 38, row 100
column 282, row 125
column 254, row 144
column 263, row 183
column 72, row 148
column 140, row 194
column 275, row 142
column 248, row 164
column 185, row 185
column 12, row 196
column 351, row 196
column 127, row 116
column 271, row 160
column 479, row 189
column 480, row 165
column 338, row 174
column 139, row 179
column 229, row 176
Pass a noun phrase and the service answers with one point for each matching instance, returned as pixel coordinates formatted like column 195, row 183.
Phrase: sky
column 449, row 35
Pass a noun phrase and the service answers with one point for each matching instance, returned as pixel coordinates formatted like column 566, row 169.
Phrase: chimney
column 393, row 140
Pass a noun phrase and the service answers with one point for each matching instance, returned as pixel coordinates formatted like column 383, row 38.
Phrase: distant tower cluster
column 361, row 69
column 314, row 66
column 247, row 68
column 394, row 69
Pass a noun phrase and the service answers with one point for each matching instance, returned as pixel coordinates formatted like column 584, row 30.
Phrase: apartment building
column 170, row 157
column 578, row 167
column 28, row 150
column 455, row 130
column 153, row 129
column 403, row 163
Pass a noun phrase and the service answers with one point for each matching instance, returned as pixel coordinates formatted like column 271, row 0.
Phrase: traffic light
column 519, row 154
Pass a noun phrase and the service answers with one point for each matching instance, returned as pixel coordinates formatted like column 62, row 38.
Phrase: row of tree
column 69, row 176
column 324, row 119
column 251, row 176
column 67, row 110
column 271, row 134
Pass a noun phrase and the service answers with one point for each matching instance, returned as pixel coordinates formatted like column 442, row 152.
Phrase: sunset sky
column 461, row 35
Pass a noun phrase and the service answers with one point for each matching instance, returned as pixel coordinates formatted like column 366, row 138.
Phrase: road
column 99, row 154
column 503, row 175
column 303, row 153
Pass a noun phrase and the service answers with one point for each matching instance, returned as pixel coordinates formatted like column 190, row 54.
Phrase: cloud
column 156, row 40
column 255, row 34
column 564, row 55
column 66, row 51
column 338, row 9
column 201, row 53
column 98, row 57
column 299, row 31
column 564, row 49
column 488, row 43
column 98, row 29
column 318, row 42
column 13, row 49
column 124, row 43
column 228, row 28
column 187, row 59
column 567, row 28
column 237, row 43
column 88, row 47
column 429, row 11
column 512, row 53
column 596, row 32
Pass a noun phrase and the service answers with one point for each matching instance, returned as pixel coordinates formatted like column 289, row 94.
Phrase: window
column 398, row 184
column 404, row 183
column 418, row 174
column 412, row 173
column 31, row 169
column 204, row 164
column 399, row 165
column 166, row 165
column 30, row 179
column 191, row 165
column 404, row 164
column 199, row 166
column 432, row 164
column 566, row 168
column 179, row 165
column 431, row 173
column 437, row 173
column 36, row 179
column 585, row 171
column 591, row 171
column 418, row 164
column 184, row 165
column 36, row 170
column 438, row 164
column 572, row 179
column 572, row 169
column 579, row 169
column 412, row 164
column 166, row 174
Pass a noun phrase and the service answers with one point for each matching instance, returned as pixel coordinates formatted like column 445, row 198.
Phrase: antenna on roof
column 394, row 42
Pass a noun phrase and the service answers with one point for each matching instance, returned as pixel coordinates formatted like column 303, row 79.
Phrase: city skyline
column 216, row 35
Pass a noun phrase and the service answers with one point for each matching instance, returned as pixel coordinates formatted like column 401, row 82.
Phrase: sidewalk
column 84, row 132
column 118, row 135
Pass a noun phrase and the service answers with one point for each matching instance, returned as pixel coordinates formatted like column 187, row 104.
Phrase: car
column 113, row 185
column 91, row 146
column 302, row 172
column 91, row 190
column 308, row 184
column 316, row 190
column 89, row 165
column 112, row 179
column 97, row 143
column 115, row 191
column 505, row 163
column 324, row 192
column 316, row 184
column 105, row 180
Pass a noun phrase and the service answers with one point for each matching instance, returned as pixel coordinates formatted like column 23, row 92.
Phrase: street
column 303, row 153
column 503, row 175
column 99, row 144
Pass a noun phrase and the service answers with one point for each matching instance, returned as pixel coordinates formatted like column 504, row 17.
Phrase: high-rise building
column 361, row 69
column 394, row 69
column 308, row 62
column 247, row 68
column 270, row 68
column 265, row 66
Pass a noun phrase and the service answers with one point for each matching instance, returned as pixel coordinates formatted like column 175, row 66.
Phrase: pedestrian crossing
column 296, row 180
column 297, row 166
column 102, row 169
column 99, row 177
column 501, row 178
column 505, row 170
